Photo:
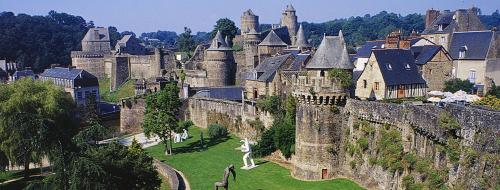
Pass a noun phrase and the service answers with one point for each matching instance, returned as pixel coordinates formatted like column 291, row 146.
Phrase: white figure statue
column 184, row 135
column 177, row 138
column 245, row 147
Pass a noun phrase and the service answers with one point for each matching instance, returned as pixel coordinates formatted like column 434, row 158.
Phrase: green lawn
column 126, row 90
column 203, row 168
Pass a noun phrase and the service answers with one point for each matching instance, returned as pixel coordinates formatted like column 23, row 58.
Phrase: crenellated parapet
column 89, row 54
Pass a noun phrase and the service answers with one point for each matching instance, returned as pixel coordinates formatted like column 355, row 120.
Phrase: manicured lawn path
column 203, row 168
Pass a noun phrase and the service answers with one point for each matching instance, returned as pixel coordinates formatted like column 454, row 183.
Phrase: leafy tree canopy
column 226, row 27
column 457, row 84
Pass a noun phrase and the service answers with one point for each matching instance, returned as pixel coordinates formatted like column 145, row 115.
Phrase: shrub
column 363, row 143
column 216, row 131
column 342, row 76
column 448, row 122
column 409, row 160
column 489, row 101
column 284, row 138
column 390, row 149
column 454, row 85
column 422, row 165
column 353, row 164
column 265, row 146
column 453, row 150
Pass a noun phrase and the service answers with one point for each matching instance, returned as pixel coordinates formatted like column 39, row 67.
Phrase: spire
column 301, row 41
column 218, row 43
column 289, row 8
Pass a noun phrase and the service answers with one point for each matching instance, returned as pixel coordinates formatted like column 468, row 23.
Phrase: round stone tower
column 250, row 47
column 289, row 19
column 219, row 63
column 249, row 21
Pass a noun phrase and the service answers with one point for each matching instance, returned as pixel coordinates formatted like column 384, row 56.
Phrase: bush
column 363, row 143
column 353, row 164
column 489, row 101
column 216, row 131
column 265, row 146
column 454, row 85
column 284, row 138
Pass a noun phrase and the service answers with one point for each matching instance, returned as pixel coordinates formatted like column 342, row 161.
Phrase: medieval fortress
column 280, row 62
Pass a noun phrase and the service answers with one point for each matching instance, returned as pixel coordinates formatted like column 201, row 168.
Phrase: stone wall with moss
column 395, row 146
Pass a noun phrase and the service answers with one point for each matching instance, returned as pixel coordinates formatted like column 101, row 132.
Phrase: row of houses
column 454, row 45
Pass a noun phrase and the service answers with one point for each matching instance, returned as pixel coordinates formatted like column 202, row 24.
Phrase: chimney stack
column 430, row 16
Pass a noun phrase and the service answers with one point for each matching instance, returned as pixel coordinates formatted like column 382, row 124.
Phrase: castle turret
column 219, row 63
column 301, row 42
column 289, row 19
column 249, row 21
column 318, row 124
column 250, row 47
column 271, row 45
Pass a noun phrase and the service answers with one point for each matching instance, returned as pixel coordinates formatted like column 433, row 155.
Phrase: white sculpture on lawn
column 177, row 138
column 245, row 147
column 184, row 135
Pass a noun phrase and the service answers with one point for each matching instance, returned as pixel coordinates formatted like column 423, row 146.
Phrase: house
column 79, row 83
column 23, row 74
column 265, row 79
column 439, row 25
column 390, row 73
column 435, row 65
column 364, row 52
column 476, row 58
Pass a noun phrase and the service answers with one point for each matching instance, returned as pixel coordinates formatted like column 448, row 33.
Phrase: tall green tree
column 226, row 27
column 185, row 42
column 161, row 116
column 36, row 119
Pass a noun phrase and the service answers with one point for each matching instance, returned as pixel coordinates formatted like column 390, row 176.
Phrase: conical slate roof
column 272, row 39
column 331, row 53
column 289, row 8
column 218, row 43
column 301, row 41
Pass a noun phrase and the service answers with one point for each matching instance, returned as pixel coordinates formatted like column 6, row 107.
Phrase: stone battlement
column 88, row 54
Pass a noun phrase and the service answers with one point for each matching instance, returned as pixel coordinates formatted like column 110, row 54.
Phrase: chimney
column 430, row 16
column 54, row 66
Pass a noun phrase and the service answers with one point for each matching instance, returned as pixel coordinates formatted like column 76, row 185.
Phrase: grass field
column 126, row 90
column 203, row 168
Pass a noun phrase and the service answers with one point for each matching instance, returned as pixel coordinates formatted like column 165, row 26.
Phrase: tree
column 36, row 119
column 457, row 84
column 161, row 116
column 226, row 27
column 185, row 41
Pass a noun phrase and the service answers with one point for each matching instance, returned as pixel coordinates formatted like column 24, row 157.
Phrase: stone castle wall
column 120, row 72
column 236, row 116
column 92, row 63
column 132, row 115
column 239, row 58
column 420, row 133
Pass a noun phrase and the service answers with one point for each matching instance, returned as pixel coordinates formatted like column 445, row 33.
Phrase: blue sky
column 200, row 15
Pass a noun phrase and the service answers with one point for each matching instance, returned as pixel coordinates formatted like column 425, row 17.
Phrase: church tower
column 249, row 21
column 289, row 19
column 219, row 63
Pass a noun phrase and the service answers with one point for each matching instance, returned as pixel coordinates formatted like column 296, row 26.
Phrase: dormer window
column 440, row 27
column 389, row 67
column 407, row 66
column 461, row 52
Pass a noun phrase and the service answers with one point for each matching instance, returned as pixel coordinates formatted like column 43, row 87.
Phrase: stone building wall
column 220, row 67
column 119, row 72
column 437, row 71
column 92, row 62
column 241, row 70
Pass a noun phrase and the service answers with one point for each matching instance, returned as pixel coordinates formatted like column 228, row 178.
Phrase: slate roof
column 450, row 23
column 219, row 44
column 103, row 34
column 282, row 33
column 80, row 76
column 478, row 43
column 424, row 54
column 272, row 39
column 298, row 61
column 23, row 73
column 267, row 69
column 366, row 49
column 445, row 19
column 289, row 8
column 393, row 63
column 301, row 41
column 331, row 53
column 223, row 93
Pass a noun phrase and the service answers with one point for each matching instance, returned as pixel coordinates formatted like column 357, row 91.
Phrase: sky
column 200, row 15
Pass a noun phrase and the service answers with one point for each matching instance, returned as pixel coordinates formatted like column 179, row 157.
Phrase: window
column 322, row 73
column 389, row 67
column 432, row 38
column 461, row 52
column 440, row 27
column 472, row 76
column 407, row 66
column 442, row 40
column 377, row 85
column 364, row 83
